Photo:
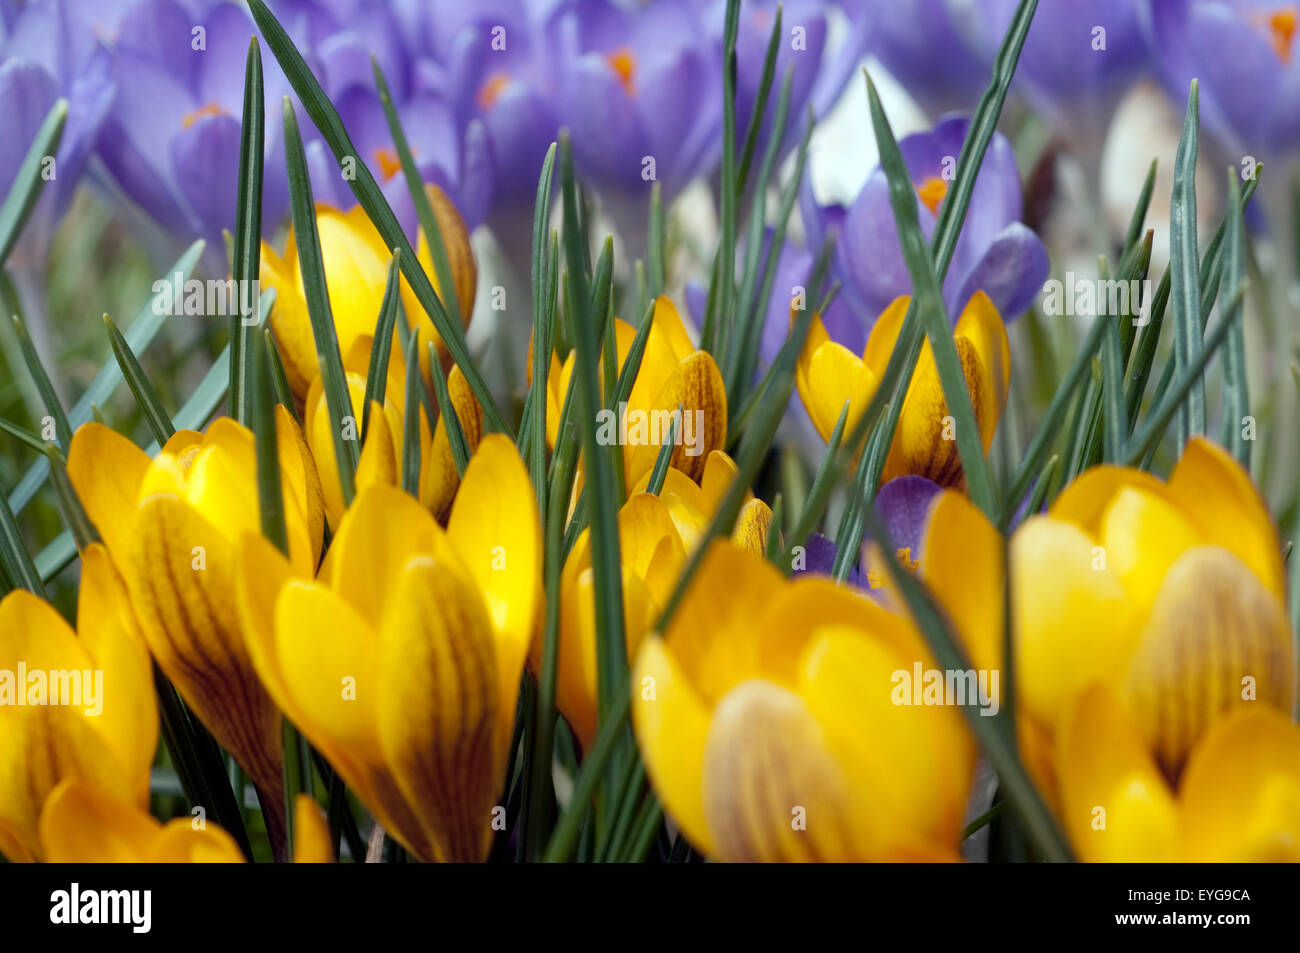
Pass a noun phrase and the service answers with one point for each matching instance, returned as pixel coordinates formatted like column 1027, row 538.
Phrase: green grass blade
column 446, row 410
column 27, row 184
column 411, row 425
column 279, row 378
column 382, row 347
column 1236, row 387
column 423, row 208
column 18, row 565
column 44, row 386
column 337, row 397
column 1183, row 266
column 70, row 508
column 248, row 229
column 159, row 421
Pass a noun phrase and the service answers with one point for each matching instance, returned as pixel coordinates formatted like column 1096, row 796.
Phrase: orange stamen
column 389, row 162
column 623, row 63
column 211, row 109
column 491, row 90
column 1282, row 24
column 932, row 191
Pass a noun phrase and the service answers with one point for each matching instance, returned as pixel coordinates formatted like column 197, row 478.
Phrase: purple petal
column 1011, row 273
column 902, row 505
column 205, row 158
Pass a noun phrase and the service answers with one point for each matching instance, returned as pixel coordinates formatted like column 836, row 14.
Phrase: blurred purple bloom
column 636, row 88
column 902, row 506
column 819, row 72
column 46, row 53
column 1244, row 52
column 1077, row 59
column 941, row 51
column 172, row 140
column 996, row 253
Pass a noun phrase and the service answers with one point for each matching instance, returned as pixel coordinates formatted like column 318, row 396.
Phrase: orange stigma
column 932, row 191
column 1282, row 24
column 491, row 90
column 211, row 109
column 623, row 63
column 389, row 162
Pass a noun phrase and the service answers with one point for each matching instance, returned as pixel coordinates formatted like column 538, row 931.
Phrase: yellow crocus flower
column 106, row 732
column 767, row 722
column 1237, row 800
column 380, row 461
column 656, row 534
column 672, row 372
column 401, row 662
column 1170, row 593
column 828, row 374
column 356, row 271
column 171, row 525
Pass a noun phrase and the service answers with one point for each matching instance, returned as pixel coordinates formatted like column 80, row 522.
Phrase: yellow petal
column 303, row 499
column 884, row 335
column 963, row 568
column 926, row 441
column 672, row 724
column 1073, row 622
column 833, row 375
column 719, row 472
column 464, row 275
column 181, row 574
column 438, row 713
column 180, row 843
column 667, row 322
column 311, row 843
column 802, row 810
column 83, row 825
column 1143, row 534
column 326, row 660
column 910, row 776
column 107, row 629
column 378, row 462
column 1218, row 495
column 716, row 632
column 1085, row 501
column 752, row 526
column 1216, row 640
column 497, row 532
column 696, row 385
column 438, row 476
column 1240, row 796
column 1115, row 806
column 106, row 470
column 982, row 326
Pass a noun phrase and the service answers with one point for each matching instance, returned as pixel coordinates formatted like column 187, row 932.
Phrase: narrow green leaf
column 381, row 348
column 17, row 561
column 447, row 411
column 1138, row 220
column 1183, row 259
column 160, row 422
column 759, row 110
column 27, row 184
column 1236, row 387
column 23, row 434
column 74, row 515
column 247, row 249
column 279, row 379
column 660, row 471
column 423, row 208
column 44, row 386
column 657, row 268
column 411, row 425
column 338, row 398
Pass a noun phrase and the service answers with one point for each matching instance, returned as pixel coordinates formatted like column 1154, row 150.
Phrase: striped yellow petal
column 696, row 385
column 311, row 843
column 107, row 471
column 438, row 475
column 963, row 568
column 1216, row 640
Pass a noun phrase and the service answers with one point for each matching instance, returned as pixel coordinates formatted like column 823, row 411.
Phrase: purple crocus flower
column 1077, row 59
column 941, row 51
column 902, row 506
column 637, row 88
column 996, row 253
column 1246, row 56
column 819, row 70
column 46, row 53
column 172, row 140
